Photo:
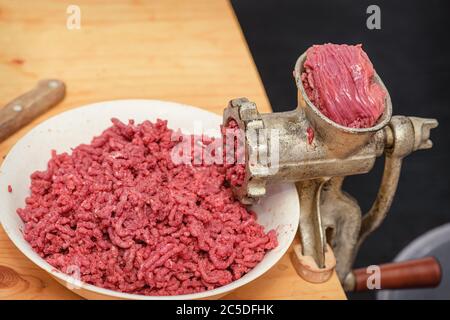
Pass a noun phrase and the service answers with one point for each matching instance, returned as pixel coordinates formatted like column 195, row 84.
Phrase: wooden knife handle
column 418, row 273
column 28, row 106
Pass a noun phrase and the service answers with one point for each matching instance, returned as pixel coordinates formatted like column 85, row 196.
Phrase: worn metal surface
column 317, row 154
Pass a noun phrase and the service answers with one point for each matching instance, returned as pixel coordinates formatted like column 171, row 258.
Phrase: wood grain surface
column 192, row 52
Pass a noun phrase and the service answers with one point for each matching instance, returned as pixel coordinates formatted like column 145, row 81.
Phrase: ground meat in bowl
column 126, row 217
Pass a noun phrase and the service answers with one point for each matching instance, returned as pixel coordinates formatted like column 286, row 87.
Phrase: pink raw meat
column 235, row 171
column 129, row 219
column 339, row 81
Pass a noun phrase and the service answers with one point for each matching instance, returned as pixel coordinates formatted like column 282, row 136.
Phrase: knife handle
column 31, row 104
column 417, row 273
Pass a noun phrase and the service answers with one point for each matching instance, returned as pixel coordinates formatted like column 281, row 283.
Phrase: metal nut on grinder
column 246, row 115
column 317, row 154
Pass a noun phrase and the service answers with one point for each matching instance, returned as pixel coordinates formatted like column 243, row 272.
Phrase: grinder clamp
column 317, row 154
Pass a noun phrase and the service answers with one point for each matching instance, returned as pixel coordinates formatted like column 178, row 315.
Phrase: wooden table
column 191, row 52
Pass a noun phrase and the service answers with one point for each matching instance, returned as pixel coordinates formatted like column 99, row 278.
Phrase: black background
column 410, row 53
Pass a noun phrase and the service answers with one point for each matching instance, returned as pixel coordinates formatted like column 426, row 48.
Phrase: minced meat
column 131, row 220
column 235, row 169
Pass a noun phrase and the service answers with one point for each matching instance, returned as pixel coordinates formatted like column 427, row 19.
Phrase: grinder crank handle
column 28, row 106
column 403, row 136
column 417, row 273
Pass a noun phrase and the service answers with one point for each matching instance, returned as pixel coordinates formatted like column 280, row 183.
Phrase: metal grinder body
column 317, row 154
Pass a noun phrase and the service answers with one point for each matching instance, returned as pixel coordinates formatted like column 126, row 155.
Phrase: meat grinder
column 315, row 153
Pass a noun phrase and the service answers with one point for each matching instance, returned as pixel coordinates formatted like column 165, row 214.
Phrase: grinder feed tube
column 317, row 151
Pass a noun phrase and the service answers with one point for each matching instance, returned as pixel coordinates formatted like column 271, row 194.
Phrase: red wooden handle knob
column 418, row 273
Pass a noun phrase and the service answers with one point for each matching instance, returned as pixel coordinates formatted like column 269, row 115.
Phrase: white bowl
column 279, row 210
